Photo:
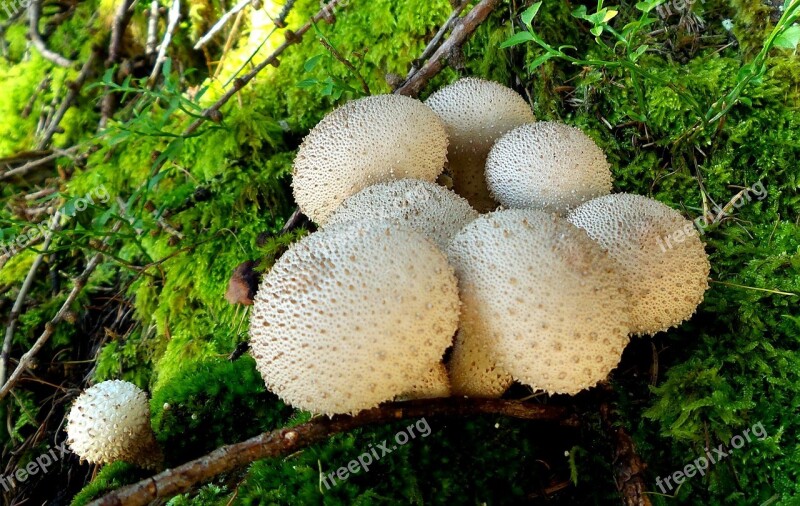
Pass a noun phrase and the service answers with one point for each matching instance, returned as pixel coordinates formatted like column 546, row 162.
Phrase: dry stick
column 74, row 90
column 291, row 39
column 121, row 20
column 55, row 224
column 437, row 39
column 282, row 442
column 462, row 30
column 39, row 89
column 229, row 43
column 34, row 13
column 50, row 327
column 172, row 22
column 219, row 25
column 24, row 169
column 152, row 30
column 336, row 54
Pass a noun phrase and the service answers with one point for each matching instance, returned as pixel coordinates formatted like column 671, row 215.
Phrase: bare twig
column 39, row 89
column 50, row 327
column 74, row 91
column 121, row 20
column 34, row 13
column 436, row 41
column 463, row 28
column 291, row 39
column 336, row 54
column 55, row 224
column 152, row 30
column 219, row 25
column 282, row 442
column 24, row 169
column 172, row 22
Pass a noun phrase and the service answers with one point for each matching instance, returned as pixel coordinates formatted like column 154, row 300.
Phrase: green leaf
column 530, row 13
column 639, row 52
column 789, row 38
column 579, row 12
column 307, row 83
column 539, row 61
column 312, row 62
column 517, row 39
column 596, row 30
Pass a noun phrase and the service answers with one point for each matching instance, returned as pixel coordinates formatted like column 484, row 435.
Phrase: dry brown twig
column 220, row 24
column 283, row 442
column 152, row 30
column 34, row 14
column 121, row 20
column 173, row 17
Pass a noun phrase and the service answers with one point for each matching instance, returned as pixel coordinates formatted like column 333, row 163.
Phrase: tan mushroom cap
column 426, row 207
column 353, row 316
column 110, row 421
column 666, row 277
column 476, row 113
column 544, row 301
column 473, row 367
column 547, row 166
column 366, row 141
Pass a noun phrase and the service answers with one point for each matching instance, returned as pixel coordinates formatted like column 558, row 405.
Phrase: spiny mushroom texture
column 426, row 207
column 366, row 141
column 353, row 316
column 541, row 298
column 473, row 368
column 111, row 421
column 430, row 385
column 476, row 113
column 666, row 277
column 548, row 166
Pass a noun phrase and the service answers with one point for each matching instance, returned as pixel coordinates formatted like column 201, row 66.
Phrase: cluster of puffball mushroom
column 407, row 291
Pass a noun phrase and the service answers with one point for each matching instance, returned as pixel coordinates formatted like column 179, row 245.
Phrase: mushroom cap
column 431, row 385
column 110, row 421
column 476, row 113
column 353, row 316
column 541, row 299
column 366, row 141
column 666, row 278
column 426, row 207
column 473, row 368
column 548, row 166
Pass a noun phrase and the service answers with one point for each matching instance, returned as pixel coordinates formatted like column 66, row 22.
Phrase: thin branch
column 152, row 30
column 24, row 169
column 219, row 25
column 463, row 29
column 336, row 54
column 291, row 39
column 436, row 41
column 72, row 94
column 34, row 13
column 50, row 327
column 121, row 20
column 283, row 442
column 55, row 224
column 39, row 90
column 172, row 22
column 628, row 466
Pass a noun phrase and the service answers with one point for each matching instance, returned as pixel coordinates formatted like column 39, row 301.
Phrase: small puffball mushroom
column 353, row 316
column 431, row 385
column 476, row 113
column 366, row 141
column 472, row 368
column 548, row 166
column 426, row 207
column 541, row 299
column 111, row 421
column 666, row 277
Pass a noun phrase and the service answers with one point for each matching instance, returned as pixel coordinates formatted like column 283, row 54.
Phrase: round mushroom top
column 353, row 316
column 548, row 166
column 660, row 254
column 426, row 207
column 540, row 298
column 110, row 421
column 366, row 141
column 476, row 112
column 473, row 367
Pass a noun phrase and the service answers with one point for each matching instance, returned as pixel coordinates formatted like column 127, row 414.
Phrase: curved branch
column 282, row 442
column 34, row 13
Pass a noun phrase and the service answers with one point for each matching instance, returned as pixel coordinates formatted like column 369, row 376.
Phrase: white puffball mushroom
column 541, row 299
column 662, row 259
column 473, row 369
column 110, row 421
column 366, row 141
column 434, row 383
column 547, row 166
column 476, row 113
column 353, row 316
column 426, row 207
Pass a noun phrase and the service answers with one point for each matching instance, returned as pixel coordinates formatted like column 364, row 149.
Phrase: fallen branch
column 34, row 13
column 436, row 41
column 172, row 23
column 24, row 169
column 463, row 29
column 219, row 25
column 283, row 442
column 50, row 327
column 55, row 224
